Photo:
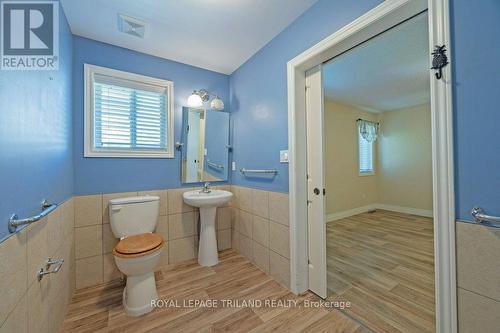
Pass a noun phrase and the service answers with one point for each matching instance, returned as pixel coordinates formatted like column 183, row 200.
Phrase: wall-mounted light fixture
column 198, row 97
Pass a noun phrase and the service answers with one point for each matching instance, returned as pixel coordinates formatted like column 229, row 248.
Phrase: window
column 127, row 115
column 365, row 156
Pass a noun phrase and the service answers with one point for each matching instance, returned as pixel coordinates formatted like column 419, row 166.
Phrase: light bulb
column 217, row 104
column 194, row 100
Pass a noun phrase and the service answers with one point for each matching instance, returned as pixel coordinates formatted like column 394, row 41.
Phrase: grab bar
column 273, row 171
column 15, row 222
column 215, row 165
column 479, row 216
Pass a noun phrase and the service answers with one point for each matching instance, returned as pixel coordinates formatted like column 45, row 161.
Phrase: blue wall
column 259, row 91
column 259, row 97
column 476, row 50
column 95, row 175
column 36, row 135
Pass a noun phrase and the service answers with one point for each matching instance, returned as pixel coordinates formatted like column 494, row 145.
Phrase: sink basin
column 199, row 199
column 208, row 203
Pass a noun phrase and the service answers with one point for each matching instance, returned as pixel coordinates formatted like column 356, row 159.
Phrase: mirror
column 205, row 145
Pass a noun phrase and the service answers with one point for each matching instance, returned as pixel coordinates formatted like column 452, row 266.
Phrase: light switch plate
column 233, row 166
column 283, row 156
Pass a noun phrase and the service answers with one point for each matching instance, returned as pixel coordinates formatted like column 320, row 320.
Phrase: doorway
column 370, row 25
column 377, row 177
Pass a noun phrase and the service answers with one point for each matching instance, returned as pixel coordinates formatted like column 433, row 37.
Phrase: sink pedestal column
column 207, row 249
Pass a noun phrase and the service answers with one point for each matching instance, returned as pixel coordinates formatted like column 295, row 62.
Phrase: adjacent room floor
column 99, row 309
column 383, row 263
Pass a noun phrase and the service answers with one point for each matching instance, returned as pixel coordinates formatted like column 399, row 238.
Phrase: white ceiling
column 219, row 35
column 389, row 72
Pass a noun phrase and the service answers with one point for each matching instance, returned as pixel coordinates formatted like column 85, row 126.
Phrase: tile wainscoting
column 178, row 224
column 254, row 223
column 261, row 230
column 29, row 305
column 478, row 277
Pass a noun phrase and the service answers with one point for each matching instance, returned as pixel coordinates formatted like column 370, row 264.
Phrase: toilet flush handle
column 116, row 208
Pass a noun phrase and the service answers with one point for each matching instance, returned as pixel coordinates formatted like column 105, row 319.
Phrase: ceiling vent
column 131, row 26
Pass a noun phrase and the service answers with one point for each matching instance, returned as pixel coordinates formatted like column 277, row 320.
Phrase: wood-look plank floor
column 99, row 309
column 383, row 263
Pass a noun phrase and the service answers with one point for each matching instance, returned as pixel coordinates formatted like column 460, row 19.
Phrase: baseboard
column 347, row 213
column 360, row 210
column 406, row 210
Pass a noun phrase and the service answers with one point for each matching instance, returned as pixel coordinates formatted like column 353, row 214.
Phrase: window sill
column 363, row 174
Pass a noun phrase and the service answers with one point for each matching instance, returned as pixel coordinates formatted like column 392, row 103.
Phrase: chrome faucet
column 206, row 188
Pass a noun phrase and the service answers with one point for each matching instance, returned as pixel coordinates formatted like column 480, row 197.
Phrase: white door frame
column 386, row 15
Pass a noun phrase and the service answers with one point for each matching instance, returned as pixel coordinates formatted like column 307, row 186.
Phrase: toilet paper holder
column 50, row 262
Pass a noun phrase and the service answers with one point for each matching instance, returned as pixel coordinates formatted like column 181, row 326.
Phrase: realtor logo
column 29, row 35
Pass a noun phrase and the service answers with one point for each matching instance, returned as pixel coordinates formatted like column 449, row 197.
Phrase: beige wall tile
column 235, row 201
column 55, row 231
column 56, row 317
column 105, row 202
column 88, row 210
column 279, row 239
column 13, row 283
column 235, row 223
column 181, row 225
column 260, row 203
column 224, row 218
column 164, row 256
column 18, row 319
column 60, row 279
column 477, row 313
column 278, row 207
column 38, row 305
column 176, row 203
column 37, row 248
column 478, row 262
column 68, row 218
column 279, row 268
column 261, row 230
column 88, row 241
column 110, row 271
column 246, row 223
column 162, row 227
column 246, row 247
column 224, row 239
column 109, row 240
column 163, row 194
column 181, row 249
column 245, row 198
column 261, row 256
column 89, row 271
column 235, row 241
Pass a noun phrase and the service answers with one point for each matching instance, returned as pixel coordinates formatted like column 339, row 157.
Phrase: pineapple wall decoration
column 439, row 60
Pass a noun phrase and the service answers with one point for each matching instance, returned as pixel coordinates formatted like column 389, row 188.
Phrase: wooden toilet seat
column 138, row 245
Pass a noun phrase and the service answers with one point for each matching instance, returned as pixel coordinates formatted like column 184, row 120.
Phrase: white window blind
column 365, row 155
column 129, row 115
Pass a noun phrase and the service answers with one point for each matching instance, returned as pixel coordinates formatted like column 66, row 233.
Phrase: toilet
column 133, row 220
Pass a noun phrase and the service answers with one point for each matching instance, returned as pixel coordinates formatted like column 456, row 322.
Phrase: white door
column 315, row 183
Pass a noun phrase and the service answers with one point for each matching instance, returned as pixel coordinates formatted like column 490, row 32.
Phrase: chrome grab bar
column 214, row 165
column 273, row 171
column 41, row 273
column 479, row 216
column 15, row 222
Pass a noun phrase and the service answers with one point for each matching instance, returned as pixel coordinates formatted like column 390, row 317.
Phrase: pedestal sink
column 208, row 203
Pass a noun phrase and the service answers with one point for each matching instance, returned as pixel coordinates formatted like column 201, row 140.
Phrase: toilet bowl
column 138, row 252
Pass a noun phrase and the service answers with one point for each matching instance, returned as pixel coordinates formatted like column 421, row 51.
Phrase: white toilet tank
column 134, row 215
